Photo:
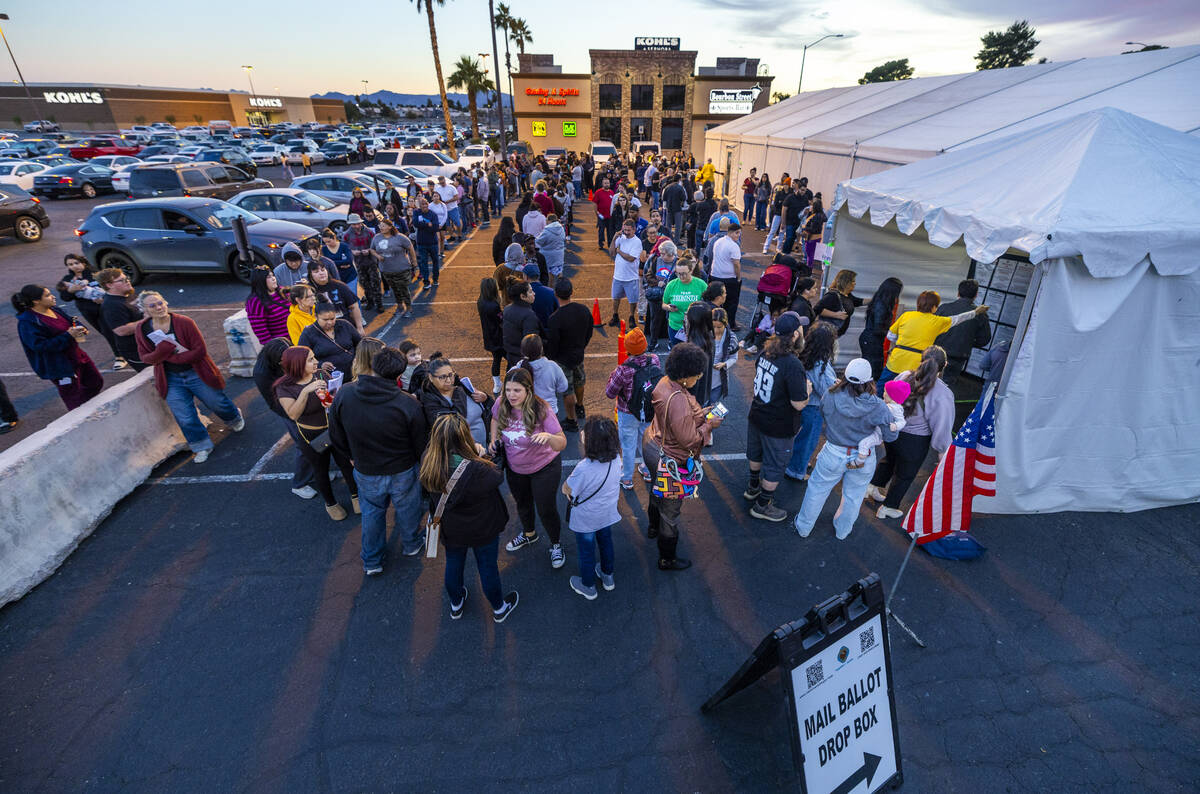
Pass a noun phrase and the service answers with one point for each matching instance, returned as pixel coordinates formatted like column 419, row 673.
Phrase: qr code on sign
column 815, row 673
column 866, row 639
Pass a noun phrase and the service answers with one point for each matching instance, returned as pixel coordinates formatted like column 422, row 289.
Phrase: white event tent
column 1099, row 406
column 841, row 133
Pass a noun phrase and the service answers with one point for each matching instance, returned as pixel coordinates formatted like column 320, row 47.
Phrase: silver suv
column 182, row 235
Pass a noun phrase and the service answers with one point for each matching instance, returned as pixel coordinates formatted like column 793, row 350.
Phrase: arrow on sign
column 864, row 773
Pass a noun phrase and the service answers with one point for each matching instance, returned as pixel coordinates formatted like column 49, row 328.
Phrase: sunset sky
column 301, row 47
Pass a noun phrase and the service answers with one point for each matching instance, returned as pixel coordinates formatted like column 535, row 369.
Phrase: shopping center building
column 86, row 106
column 653, row 92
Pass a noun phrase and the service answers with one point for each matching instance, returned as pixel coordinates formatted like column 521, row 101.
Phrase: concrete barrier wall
column 57, row 485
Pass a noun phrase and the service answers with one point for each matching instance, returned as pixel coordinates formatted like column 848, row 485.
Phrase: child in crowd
column 592, row 491
column 765, row 328
column 412, row 352
column 895, row 392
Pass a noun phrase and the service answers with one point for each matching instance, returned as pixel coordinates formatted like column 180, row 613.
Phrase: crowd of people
column 413, row 433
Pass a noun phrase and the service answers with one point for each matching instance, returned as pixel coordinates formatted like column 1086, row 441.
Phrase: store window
column 610, row 96
column 641, row 129
column 672, row 134
column 673, row 97
column 610, row 130
column 641, row 97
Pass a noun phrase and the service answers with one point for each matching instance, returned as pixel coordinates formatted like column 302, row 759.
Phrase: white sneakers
column 201, row 456
column 305, row 492
column 239, row 425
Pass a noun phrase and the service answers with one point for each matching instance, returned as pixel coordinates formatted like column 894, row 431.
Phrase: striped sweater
column 269, row 320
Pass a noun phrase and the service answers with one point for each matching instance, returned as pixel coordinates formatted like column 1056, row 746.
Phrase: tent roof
column 1105, row 185
column 908, row 120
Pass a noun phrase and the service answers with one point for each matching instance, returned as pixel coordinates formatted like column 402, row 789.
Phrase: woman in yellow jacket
column 914, row 331
column 302, row 314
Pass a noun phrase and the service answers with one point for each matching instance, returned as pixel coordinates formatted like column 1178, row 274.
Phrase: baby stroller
column 776, row 289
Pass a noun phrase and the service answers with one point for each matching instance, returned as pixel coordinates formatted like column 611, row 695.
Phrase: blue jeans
column 884, row 377
column 375, row 491
column 630, row 431
column 747, row 208
column 183, row 389
column 588, row 542
column 789, row 239
column 429, row 261
column 578, row 189
column 760, row 215
column 773, row 232
column 829, row 470
column 806, row 439
column 489, row 573
column 717, row 393
column 675, row 224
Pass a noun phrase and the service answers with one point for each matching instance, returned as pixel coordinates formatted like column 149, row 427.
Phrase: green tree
column 196, row 117
column 469, row 76
column 1011, row 47
column 887, row 72
column 352, row 111
column 139, row 119
column 170, row 119
column 427, row 6
column 779, row 96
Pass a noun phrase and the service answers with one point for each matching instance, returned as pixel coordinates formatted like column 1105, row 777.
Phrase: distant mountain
column 412, row 100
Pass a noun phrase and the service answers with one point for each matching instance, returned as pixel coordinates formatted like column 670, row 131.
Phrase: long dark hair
column 293, row 363
column 924, row 377
column 888, row 295
column 488, row 291
column 508, row 228
column 700, row 328
column 258, row 285
column 449, row 436
column 820, row 346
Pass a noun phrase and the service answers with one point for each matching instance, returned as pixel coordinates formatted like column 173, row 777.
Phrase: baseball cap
column 858, row 371
column 787, row 324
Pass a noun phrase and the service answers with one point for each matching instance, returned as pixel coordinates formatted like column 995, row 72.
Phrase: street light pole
column 253, row 96
column 496, row 88
column 804, row 55
column 32, row 104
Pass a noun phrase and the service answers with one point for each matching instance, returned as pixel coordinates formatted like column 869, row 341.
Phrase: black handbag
column 499, row 455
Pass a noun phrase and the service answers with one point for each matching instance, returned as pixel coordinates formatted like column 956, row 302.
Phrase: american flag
column 967, row 470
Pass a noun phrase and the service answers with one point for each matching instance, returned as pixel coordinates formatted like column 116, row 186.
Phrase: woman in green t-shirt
column 680, row 293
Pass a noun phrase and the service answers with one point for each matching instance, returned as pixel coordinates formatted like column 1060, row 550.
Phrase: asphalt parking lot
column 187, row 648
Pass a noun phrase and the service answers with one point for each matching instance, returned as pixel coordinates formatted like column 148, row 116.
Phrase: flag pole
column 896, row 583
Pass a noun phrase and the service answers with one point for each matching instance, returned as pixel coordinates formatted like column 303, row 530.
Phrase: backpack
column 641, row 396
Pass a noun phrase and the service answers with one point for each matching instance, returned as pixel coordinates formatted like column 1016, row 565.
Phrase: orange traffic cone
column 621, row 354
column 596, row 322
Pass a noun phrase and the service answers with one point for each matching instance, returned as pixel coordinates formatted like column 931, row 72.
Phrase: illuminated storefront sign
column 732, row 100
column 265, row 102
column 656, row 43
column 539, row 129
column 552, row 96
column 568, row 129
column 73, row 97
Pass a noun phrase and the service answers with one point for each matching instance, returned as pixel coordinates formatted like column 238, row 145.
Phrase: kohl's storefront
column 90, row 107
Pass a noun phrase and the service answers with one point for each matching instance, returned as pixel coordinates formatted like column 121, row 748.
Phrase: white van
column 650, row 148
column 601, row 151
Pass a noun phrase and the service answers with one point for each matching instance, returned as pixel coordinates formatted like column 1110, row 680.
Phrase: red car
column 94, row 147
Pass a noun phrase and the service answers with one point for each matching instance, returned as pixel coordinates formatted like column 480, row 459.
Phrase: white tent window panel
column 1003, row 286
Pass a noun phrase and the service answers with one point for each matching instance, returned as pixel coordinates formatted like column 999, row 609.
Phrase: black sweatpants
column 538, row 490
column 904, row 458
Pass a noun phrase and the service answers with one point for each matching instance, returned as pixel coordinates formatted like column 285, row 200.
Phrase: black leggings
column 320, row 464
column 539, row 490
column 497, row 357
column 904, row 458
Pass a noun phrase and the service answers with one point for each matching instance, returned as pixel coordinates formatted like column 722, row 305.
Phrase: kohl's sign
column 73, row 97
column 265, row 102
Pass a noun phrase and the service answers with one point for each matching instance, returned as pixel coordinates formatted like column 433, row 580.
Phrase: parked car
column 181, row 235
column 294, row 150
column 21, row 172
column 234, row 157
column 210, row 180
column 190, row 152
column 433, row 162
column 84, row 180
column 338, row 152
column 295, row 205
column 96, row 147
column 521, row 147
column 478, row 154
column 41, row 125
column 21, row 214
column 601, row 151
column 116, row 162
column 27, row 148
column 166, row 158
column 267, row 154
column 553, row 154
column 158, row 148
column 337, row 187
column 52, row 160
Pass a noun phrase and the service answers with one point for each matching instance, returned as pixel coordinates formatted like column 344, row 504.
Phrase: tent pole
column 892, row 594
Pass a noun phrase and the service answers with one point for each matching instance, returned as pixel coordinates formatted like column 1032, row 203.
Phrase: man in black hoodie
column 382, row 429
column 518, row 319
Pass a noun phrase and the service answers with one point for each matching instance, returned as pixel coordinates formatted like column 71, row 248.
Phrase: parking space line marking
column 275, row 449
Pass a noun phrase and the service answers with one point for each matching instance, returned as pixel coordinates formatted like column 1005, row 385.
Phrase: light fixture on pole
column 484, row 56
column 364, row 82
column 32, row 104
column 804, row 55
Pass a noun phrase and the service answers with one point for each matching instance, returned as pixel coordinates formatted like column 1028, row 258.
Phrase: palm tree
column 437, row 64
column 520, row 35
column 504, row 21
column 469, row 76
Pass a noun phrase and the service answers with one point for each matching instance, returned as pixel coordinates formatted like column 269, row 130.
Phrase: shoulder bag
column 434, row 523
column 573, row 501
column 670, row 481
